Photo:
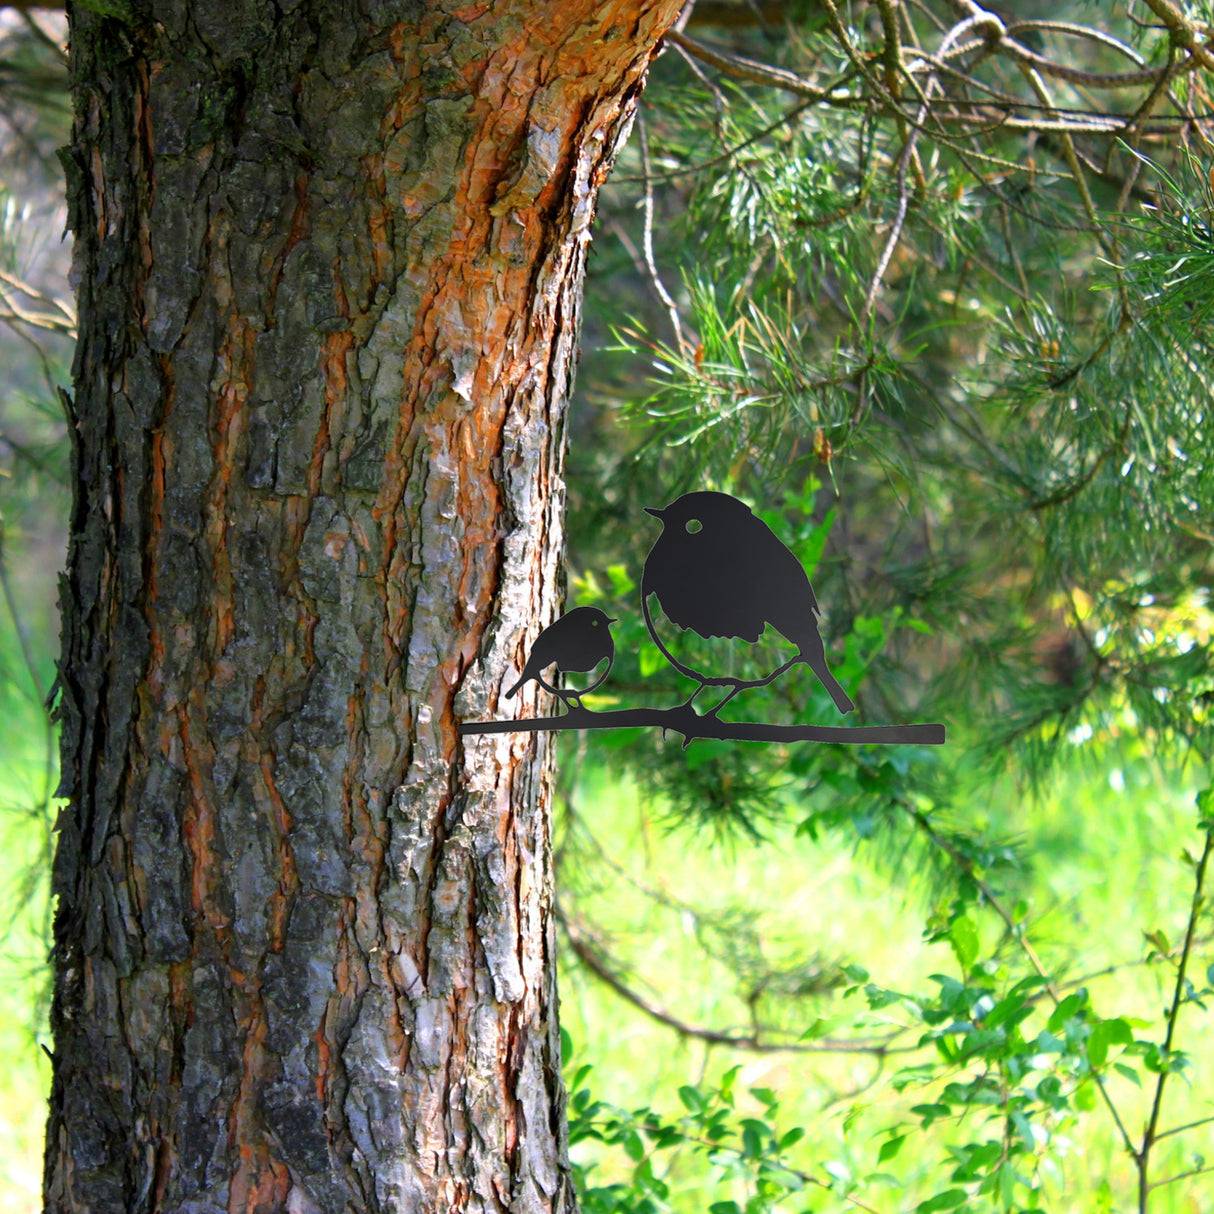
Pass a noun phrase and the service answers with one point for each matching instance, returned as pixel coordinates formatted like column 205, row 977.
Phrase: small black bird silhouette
column 722, row 572
column 578, row 641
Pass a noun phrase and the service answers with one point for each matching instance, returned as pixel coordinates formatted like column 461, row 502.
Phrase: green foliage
column 750, row 1152
column 995, row 1075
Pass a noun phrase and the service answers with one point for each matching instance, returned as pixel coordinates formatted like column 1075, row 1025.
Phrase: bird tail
column 843, row 701
column 816, row 657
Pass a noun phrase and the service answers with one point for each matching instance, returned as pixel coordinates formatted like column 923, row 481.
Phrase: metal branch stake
column 719, row 571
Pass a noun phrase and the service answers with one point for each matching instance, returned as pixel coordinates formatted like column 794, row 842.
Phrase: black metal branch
column 685, row 721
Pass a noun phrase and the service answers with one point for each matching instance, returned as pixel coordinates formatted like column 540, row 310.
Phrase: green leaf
column 878, row 997
column 810, row 551
column 649, row 658
column 692, row 1098
column 1069, row 1007
column 1105, row 1034
column 621, row 584
column 979, row 1158
column 1205, row 808
column 1128, row 1072
column 963, row 936
column 870, row 627
column 1025, row 1130
column 634, row 1148
column 987, row 1042
column 1007, row 1185
column 752, row 1139
column 1005, row 1010
column 824, row 1027
column 890, row 1148
column 1159, row 939
column 950, row 1199
column 727, row 1082
column 931, row 1112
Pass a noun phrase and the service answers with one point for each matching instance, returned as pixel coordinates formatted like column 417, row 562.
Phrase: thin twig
column 587, row 954
column 1150, row 1134
column 1205, row 1171
column 788, row 116
column 718, row 98
column 742, row 68
column 1182, row 31
column 647, row 243
column 1180, row 1129
column 908, row 150
column 42, row 35
column 716, row 1146
column 1107, row 242
column 1078, row 31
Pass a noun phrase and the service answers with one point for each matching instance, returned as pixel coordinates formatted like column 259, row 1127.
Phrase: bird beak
column 615, row 619
column 651, row 510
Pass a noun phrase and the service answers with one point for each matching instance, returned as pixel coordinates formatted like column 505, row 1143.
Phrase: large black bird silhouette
column 720, row 570
column 578, row 642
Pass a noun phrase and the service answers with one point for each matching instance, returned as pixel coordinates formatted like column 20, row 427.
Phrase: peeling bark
column 329, row 257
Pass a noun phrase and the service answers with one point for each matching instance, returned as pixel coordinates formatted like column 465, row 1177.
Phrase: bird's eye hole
column 694, row 525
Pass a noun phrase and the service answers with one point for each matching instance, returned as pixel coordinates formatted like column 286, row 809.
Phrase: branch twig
column 586, row 953
column 1150, row 1135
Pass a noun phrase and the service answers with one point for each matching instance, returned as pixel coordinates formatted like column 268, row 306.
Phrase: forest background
column 953, row 342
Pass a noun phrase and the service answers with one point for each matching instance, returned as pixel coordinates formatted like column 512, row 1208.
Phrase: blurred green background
column 828, row 978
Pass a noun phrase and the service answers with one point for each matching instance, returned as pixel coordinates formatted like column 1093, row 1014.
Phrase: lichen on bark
column 330, row 259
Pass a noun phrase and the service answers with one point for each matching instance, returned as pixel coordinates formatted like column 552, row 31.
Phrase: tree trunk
column 329, row 257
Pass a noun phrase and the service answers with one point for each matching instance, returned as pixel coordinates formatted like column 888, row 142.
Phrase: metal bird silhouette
column 577, row 642
column 720, row 570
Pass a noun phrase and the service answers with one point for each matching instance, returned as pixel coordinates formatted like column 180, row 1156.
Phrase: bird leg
column 571, row 699
column 564, row 696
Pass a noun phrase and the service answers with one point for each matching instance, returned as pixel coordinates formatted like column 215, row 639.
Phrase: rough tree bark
column 329, row 256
